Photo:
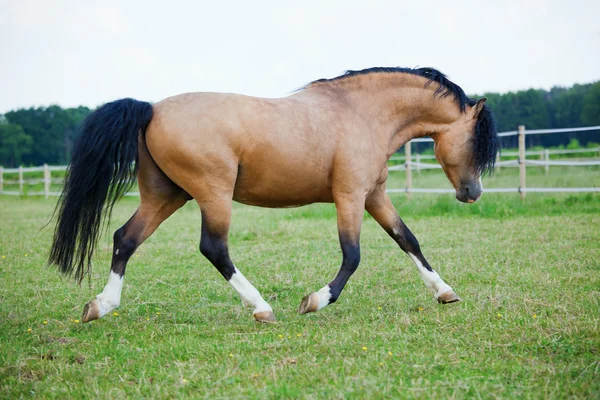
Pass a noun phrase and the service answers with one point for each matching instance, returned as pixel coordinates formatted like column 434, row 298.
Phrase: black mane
column 486, row 144
column 445, row 86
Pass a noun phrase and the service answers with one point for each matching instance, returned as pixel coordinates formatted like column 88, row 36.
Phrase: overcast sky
column 86, row 52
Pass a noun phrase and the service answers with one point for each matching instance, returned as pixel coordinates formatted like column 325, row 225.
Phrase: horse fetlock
column 107, row 303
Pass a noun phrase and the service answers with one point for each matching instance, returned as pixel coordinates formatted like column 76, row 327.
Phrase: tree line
column 34, row 136
column 559, row 107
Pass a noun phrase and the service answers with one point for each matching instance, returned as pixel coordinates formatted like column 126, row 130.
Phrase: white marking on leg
column 432, row 280
column 324, row 296
column 110, row 298
column 249, row 294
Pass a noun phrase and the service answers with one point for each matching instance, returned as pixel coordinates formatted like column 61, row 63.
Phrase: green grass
column 528, row 325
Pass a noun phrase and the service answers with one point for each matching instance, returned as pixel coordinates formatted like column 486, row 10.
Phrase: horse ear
column 479, row 106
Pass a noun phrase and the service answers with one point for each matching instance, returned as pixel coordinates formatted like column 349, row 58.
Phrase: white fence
column 522, row 162
column 46, row 180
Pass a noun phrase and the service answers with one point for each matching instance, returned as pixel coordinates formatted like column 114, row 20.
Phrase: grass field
column 528, row 326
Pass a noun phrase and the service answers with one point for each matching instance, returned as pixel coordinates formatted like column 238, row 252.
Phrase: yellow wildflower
column 76, row 321
column 28, row 329
column 365, row 348
column 116, row 314
column 45, row 322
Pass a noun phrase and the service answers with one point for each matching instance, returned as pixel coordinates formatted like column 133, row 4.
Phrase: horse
column 328, row 142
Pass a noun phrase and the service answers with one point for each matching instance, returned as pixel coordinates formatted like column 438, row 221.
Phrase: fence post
column 408, row 171
column 522, row 169
column 46, row 181
column 547, row 159
column 21, row 180
column 1, row 179
column 497, row 161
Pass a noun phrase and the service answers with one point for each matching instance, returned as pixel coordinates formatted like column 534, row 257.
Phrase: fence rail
column 408, row 165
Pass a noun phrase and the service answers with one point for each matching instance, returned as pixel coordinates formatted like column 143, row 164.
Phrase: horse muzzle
column 469, row 192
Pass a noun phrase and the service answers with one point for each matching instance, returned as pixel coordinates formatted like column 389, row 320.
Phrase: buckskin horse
column 327, row 142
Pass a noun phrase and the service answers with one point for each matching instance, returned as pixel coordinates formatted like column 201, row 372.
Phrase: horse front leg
column 380, row 207
column 216, row 217
column 350, row 211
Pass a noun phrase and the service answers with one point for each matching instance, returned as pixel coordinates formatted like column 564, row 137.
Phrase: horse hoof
column 265, row 317
column 448, row 297
column 310, row 303
column 91, row 311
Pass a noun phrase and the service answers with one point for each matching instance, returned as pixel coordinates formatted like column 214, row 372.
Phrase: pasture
column 528, row 326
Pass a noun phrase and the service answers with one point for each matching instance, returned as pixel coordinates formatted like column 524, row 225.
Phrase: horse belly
column 282, row 185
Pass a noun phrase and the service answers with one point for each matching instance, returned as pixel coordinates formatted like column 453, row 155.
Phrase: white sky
column 89, row 52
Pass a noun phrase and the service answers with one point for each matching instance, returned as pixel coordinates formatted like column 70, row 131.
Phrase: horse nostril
column 467, row 190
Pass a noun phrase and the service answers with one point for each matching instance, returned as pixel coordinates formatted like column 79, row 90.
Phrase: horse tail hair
column 99, row 174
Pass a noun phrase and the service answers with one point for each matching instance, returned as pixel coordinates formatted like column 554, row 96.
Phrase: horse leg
column 349, row 218
column 216, row 217
column 159, row 198
column 125, row 241
column 380, row 207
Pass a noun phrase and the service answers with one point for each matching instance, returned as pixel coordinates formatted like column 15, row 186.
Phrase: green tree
column 53, row 130
column 590, row 113
column 566, row 104
column 14, row 143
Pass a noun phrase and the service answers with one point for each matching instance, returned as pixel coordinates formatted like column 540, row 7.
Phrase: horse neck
column 398, row 107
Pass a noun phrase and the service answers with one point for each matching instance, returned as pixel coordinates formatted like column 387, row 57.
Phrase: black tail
column 100, row 173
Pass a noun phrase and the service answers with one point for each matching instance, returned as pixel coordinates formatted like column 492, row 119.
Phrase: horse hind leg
column 126, row 240
column 159, row 199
